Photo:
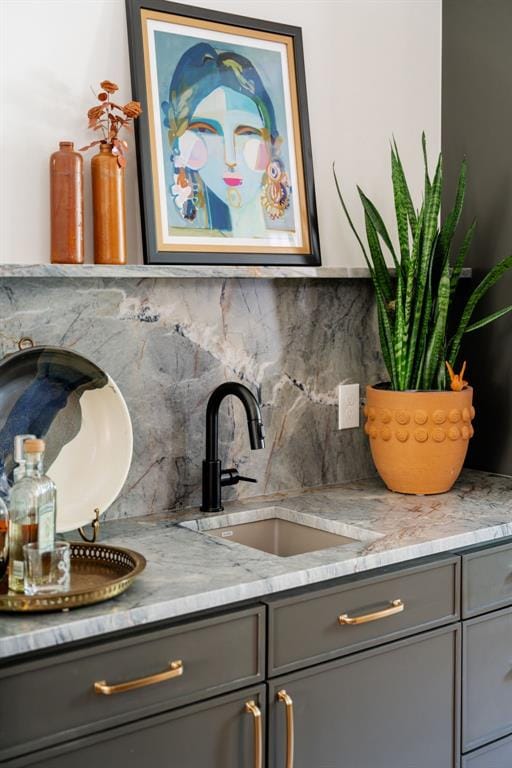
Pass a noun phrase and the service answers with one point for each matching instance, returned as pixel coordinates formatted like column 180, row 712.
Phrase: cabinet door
column 395, row 707
column 218, row 654
column 487, row 679
column 497, row 755
column 221, row 733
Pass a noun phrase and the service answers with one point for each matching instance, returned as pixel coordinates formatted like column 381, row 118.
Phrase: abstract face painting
column 227, row 178
column 227, row 161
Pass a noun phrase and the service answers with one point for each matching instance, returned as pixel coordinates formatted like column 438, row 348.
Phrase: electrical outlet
column 348, row 406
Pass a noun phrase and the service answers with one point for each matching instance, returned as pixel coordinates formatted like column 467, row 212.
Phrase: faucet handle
column 231, row 477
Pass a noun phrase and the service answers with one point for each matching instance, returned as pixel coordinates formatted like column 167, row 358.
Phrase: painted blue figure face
column 226, row 143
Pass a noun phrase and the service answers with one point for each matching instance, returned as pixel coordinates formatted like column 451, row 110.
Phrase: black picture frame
column 154, row 253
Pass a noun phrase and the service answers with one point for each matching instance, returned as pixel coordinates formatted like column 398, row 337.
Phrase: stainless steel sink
column 280, row 531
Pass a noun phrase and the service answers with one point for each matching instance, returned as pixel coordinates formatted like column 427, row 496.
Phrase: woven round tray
column 98, row 572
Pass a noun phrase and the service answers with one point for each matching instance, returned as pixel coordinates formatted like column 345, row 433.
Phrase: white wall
column 373, row 69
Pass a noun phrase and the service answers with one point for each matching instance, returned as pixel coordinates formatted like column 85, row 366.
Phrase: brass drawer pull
column 175, row 670
column 252, row 709
column 290, row 736
column 396, row 606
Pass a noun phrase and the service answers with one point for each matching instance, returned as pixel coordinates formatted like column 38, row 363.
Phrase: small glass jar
column 47, row 570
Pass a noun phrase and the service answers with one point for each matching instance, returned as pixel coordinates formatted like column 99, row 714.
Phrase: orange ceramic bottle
column 108, row 196
column 66, row 205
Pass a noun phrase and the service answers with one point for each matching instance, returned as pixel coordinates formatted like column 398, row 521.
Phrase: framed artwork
column 224, row 151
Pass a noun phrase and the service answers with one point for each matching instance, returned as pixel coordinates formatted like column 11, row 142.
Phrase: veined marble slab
column 189, row 571
column 183, row 270
column 168, row 343
column 179, row 271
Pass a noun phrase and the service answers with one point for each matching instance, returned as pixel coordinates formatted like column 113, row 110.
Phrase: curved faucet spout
column 213, row 476
column 252, row 410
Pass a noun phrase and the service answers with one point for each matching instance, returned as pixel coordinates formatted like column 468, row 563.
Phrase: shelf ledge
column 138, row 271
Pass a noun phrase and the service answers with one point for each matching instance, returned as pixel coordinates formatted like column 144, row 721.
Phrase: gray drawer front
column 392, row 707
column 214, row 734
column 486, row 580
column 487, row 679
column 51, row 700
column 497, row 755
column 305, row 629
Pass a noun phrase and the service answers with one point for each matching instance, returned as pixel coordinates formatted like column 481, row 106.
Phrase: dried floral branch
column 109, row 117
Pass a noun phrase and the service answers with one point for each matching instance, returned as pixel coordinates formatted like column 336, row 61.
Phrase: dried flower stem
column 110, row 117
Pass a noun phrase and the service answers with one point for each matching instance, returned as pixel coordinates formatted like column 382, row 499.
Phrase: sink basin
column 281, row 532
column 280, row 537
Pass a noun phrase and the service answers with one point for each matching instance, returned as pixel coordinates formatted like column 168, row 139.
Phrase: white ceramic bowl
column 78, row 409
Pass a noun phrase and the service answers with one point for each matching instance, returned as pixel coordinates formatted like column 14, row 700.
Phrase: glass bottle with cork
column 32, row 511
column 19, row 456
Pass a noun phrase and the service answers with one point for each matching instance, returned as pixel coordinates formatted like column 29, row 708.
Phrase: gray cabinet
column 363, row 673
column 487, row 657
column 486, row 579
column 496, row 755
column 428, row 596
column 222, row 733
column 215, row 655
column 487, row 679
column 394, row 707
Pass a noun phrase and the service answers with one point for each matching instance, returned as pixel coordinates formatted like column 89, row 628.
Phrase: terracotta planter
column 108, row 198
column 419, row 440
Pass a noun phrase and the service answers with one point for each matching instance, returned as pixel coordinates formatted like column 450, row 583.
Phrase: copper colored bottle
column 108, row 197
column 67, row 205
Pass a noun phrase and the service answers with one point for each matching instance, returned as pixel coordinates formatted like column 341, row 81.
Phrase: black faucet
column 213, row 476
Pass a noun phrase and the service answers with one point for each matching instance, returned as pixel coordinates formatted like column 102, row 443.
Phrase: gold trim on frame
column 148, row 15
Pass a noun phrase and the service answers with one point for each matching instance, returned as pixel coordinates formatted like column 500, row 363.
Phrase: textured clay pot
column 419, row 440
column 108, row 198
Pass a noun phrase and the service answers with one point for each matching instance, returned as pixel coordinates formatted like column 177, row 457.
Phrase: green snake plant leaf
column 400, row 196
column 351, row 224
column 427, row 324
column 386, row 336
column 411, row 213
column 489, row 280
column 425, row 161
column 380, row 268
column 379, row 225
column 488, row 319
column 432, row 205
column 452, row 220
column 437, row 338
column 412, row 267
column 461, row 257
column 386, row 352
column 400, row 339
column 441, row 371
column 382, row 292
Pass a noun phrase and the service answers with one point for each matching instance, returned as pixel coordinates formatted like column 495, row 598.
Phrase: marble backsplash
column 169, row 342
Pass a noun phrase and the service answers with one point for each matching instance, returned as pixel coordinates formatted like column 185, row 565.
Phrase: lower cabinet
column 395, row 707
column 497, row 755
column 361, row 674
column 487, row 679
column 226, row 732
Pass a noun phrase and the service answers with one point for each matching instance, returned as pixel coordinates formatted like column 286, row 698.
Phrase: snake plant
column 415, row 305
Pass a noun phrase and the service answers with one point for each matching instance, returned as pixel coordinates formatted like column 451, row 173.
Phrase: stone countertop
column 189, row 572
